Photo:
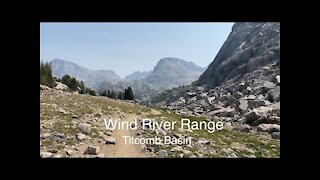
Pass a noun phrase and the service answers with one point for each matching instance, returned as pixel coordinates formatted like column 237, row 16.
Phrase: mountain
column 241, row 86
column 249, row 46
column 137, row 75
column 89, row 77
column 168, row 73
column 172, row 72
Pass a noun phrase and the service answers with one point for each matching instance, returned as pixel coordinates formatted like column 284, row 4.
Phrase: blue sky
column 129, row 47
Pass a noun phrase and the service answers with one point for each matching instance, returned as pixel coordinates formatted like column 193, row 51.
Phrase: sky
column 128, row 47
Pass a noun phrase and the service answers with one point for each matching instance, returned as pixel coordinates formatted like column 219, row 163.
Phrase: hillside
column 72, row 125
column 89, row 77
column 173, row 72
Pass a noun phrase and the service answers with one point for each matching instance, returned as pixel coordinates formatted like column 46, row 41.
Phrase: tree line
column 76, row 85
column 126, row 95
column 47, row 79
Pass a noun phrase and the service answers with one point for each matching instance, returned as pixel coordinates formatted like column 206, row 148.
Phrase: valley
column 230, row 109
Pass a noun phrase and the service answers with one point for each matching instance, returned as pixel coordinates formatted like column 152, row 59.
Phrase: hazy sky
column 128, row 47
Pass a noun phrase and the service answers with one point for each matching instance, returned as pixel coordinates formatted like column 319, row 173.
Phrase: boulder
column 257, row 103
column 110, row 140
column 226, row 112
column 215, row 107
column 245, row 128
column 191, row 94
column 243, row 106
column 250, row 117
column 203, row 141
column 259, row 90
column 233, row 102
column 266, row 120
column 204, row 104
column 45, row 135
column 269, row 85
column 44, row 88
column 274, row 94
column 269, row 127
column 61, row 86
column 163, row 153
column 85, row 128
column 176, row 149
column 251, row 97
column 45, row 154
column 275, row 106
column 210, row 100
column 80, row 136
column 228, row 126
column 93, row 150
column 275, row 135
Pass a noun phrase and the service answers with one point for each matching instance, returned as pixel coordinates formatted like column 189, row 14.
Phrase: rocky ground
column 253, row 99
column 71, row 125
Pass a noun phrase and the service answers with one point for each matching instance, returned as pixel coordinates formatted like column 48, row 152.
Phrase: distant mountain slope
column 137, row 75
column 173, row 72
column 249, row 46
column 91, row 78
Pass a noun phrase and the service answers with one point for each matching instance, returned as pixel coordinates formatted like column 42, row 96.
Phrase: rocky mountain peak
column 248, row 47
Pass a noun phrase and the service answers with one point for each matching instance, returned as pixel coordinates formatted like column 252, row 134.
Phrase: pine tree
column 46, row 77
column 119, row 96
column 130, row 93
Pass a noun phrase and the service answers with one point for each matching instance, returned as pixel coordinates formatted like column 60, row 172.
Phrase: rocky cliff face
column 249, row 46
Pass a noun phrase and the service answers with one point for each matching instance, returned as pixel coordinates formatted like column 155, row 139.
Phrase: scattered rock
column 62, row 111
column 57, row 156
column 232, row 155
column 191, row 94
column 275, row 106
column 251, row 117
column 228, row 126
column 245, row 128
column 69, row 152
column 80, row 136
column 93, row 150
column 176, row 149
column 275, row 135
column 45, row 135
column 203, row 141
column 251, row 97
column 257, row 103
column 163, row 153
column 269, row 85
column 45, row 154
column 238, row 146
column 110, row 140
column 243, row 105
column 269, row 127
column 274, row 94
column 161, row 132
column 59, row 138
column 109, row 133
column 44, row 88
column 53, row 150
column 100, row 155
column 211, row 100
column 74, row 116
column 226, row 112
